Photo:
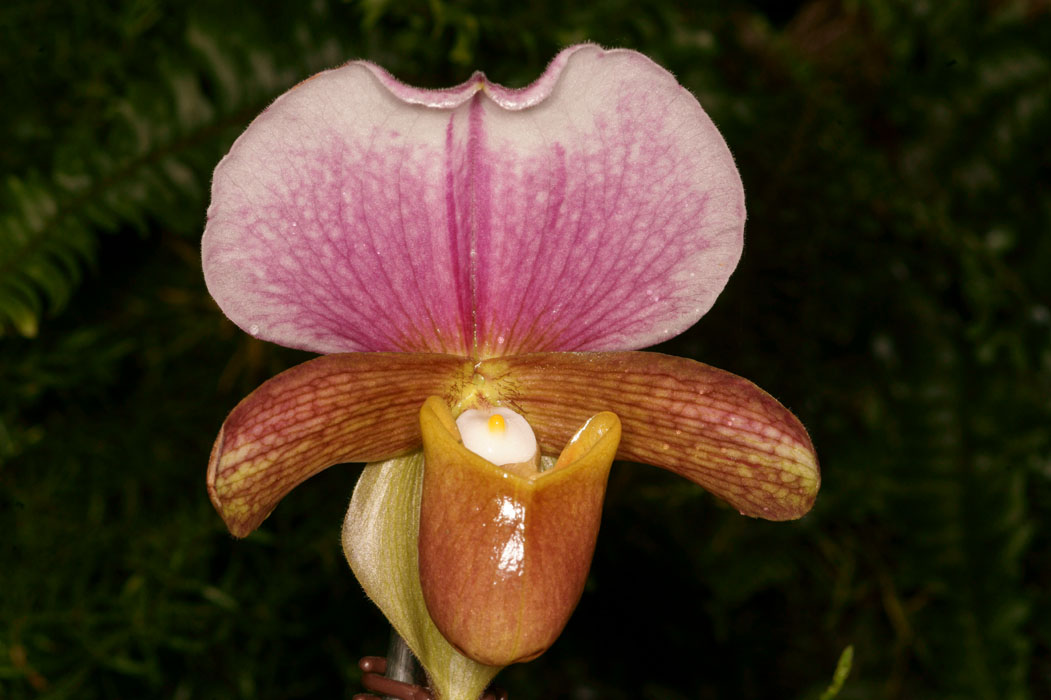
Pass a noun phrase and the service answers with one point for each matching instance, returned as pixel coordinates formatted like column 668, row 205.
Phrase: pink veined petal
column 596, row 209
column 328, row 228
column 609, row 218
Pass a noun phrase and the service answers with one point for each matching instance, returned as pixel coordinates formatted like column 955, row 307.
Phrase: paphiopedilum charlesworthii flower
column 473, row 248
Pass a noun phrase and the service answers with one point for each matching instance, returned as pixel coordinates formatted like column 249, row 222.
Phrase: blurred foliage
column 894, row 293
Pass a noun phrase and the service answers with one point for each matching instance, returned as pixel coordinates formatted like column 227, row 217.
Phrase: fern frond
column 40, row 256
column 150, row 167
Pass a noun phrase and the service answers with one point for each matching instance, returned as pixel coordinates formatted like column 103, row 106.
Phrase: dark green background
column 894, row 293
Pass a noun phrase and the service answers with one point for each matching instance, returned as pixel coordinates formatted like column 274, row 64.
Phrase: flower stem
column 401, row 666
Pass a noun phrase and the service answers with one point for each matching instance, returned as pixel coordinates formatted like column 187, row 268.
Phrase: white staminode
column 500, row 435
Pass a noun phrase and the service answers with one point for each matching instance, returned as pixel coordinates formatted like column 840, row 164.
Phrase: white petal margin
column 380, row 535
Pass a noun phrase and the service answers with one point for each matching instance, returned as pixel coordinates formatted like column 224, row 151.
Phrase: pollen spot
column 498, row 435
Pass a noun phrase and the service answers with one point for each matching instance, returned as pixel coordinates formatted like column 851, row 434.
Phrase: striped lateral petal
column 705, row 424
column 353, row 407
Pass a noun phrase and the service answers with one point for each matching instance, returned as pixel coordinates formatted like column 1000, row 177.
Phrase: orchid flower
column 482, row 251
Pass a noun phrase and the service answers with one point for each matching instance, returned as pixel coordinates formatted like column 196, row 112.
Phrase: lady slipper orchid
column 477, row 266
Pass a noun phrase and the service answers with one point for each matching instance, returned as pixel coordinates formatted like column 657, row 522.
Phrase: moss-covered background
column 894, row 293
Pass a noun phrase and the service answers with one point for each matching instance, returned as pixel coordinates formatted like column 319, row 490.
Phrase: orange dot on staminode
column 497, row 423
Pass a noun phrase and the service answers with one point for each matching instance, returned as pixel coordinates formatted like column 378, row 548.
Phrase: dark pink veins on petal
column 608, row 235
column 597, row 210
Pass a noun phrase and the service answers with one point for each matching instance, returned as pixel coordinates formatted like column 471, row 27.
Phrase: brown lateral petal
column 503, row 559
column 712, row 427
column 355, row 407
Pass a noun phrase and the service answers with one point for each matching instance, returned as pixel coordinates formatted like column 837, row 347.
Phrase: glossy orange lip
column 504, row 557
